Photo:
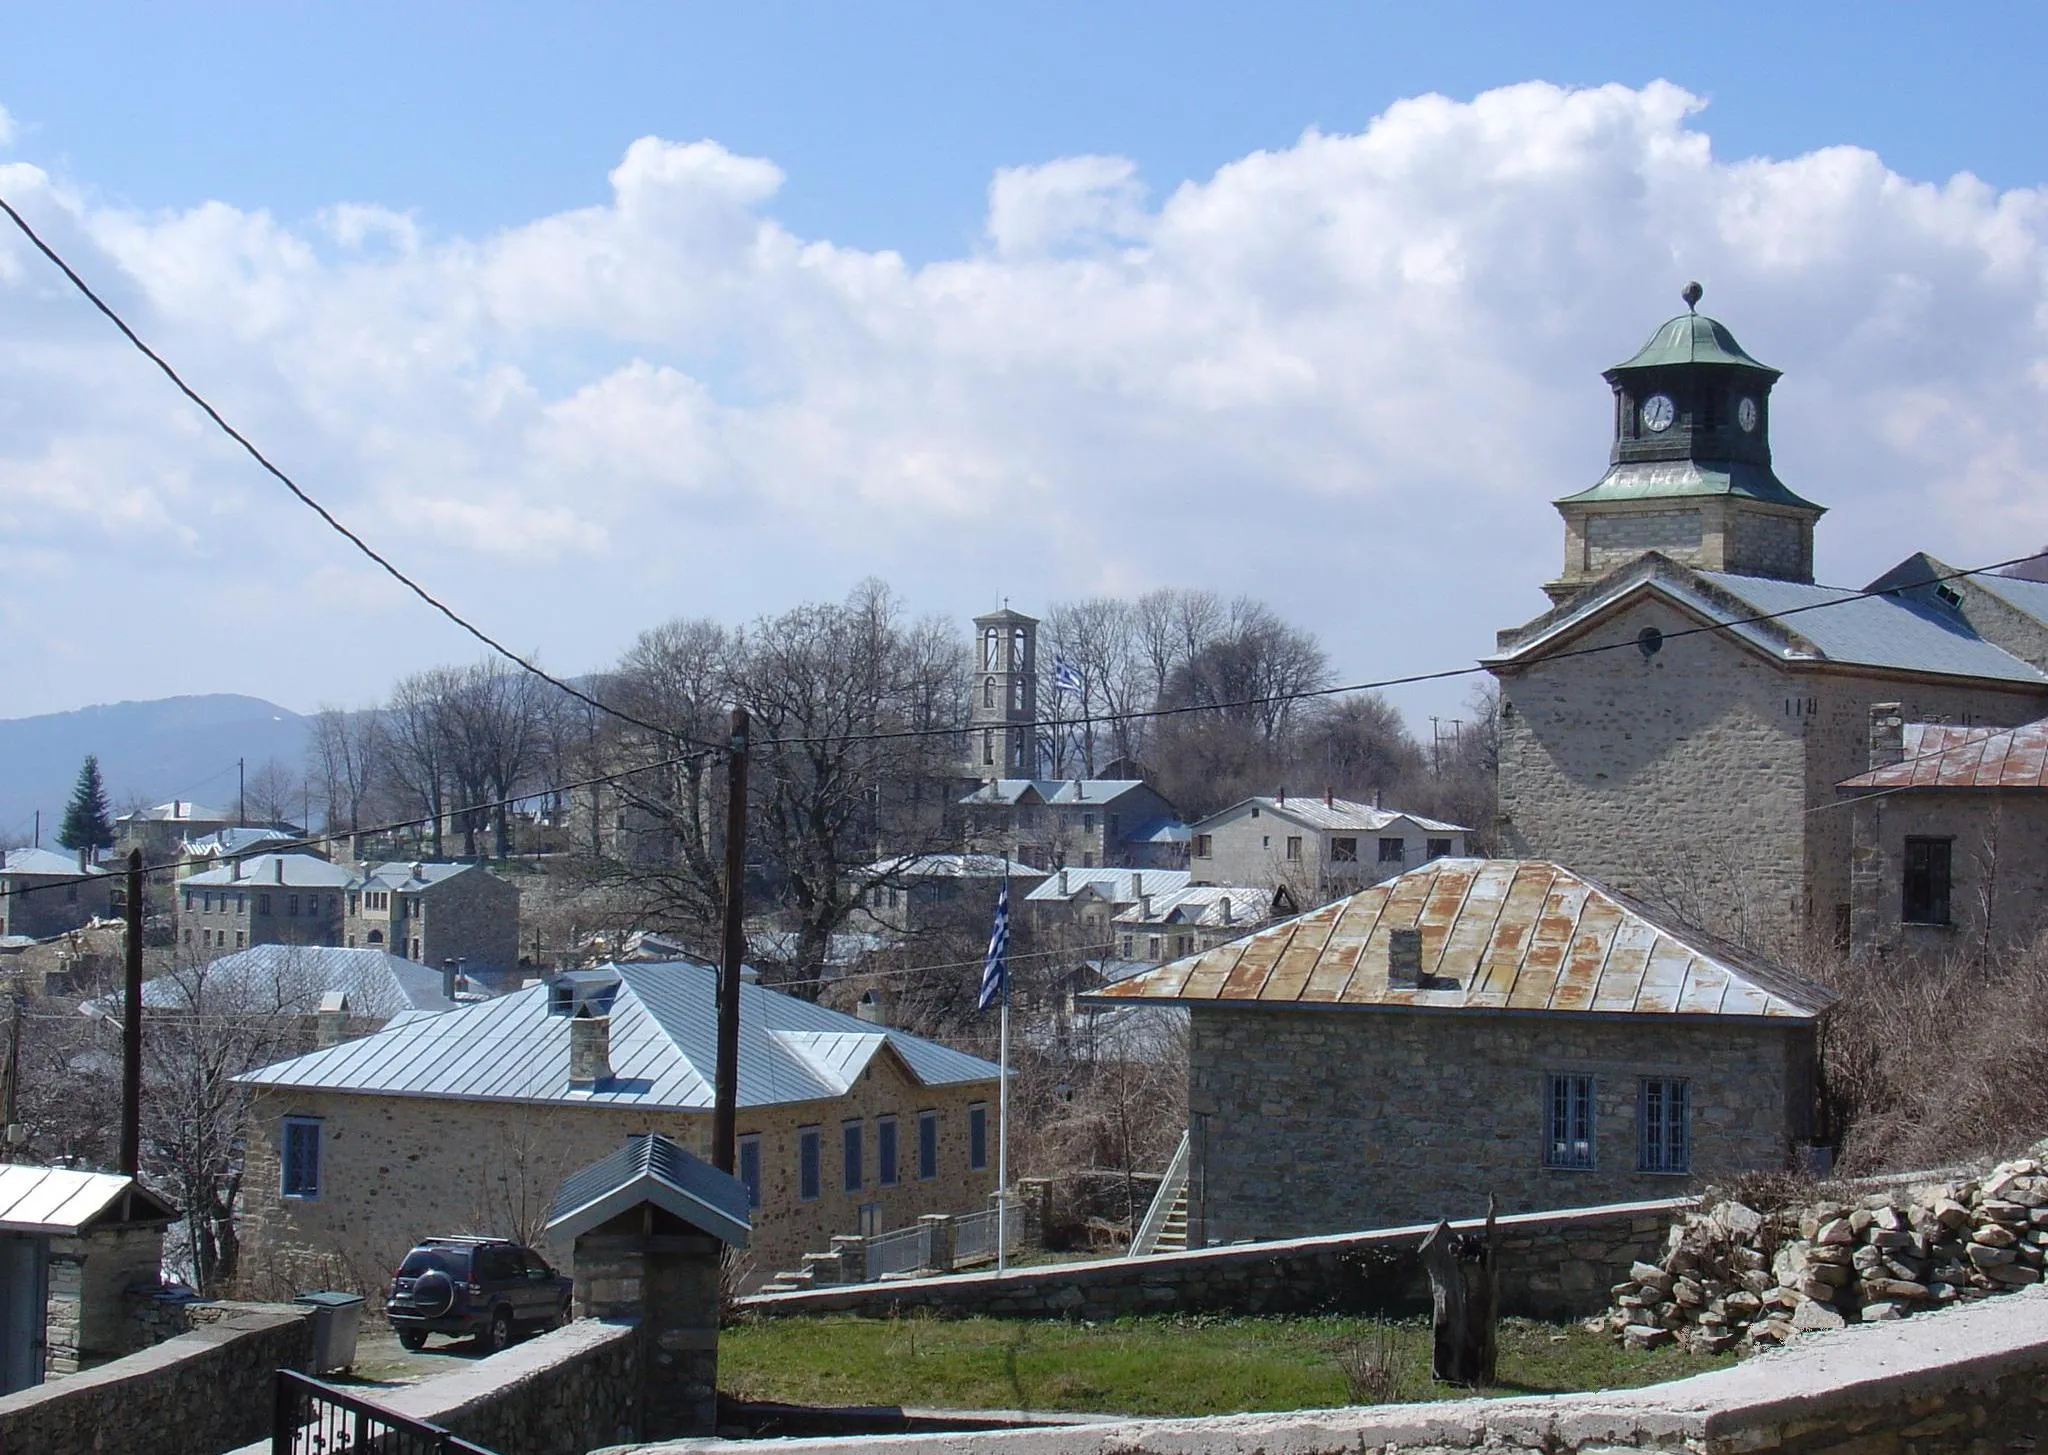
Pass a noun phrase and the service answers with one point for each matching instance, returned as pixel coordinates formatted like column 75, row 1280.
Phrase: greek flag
column 995, row 974
column 1066, row 677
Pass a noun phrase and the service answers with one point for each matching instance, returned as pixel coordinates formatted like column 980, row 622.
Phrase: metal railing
column 904, row 1251
column 317, row 1419
column 974, row 1236
column 1146, row 1239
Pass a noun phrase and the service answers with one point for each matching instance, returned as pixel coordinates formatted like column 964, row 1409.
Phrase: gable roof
column 1203, row 904
column 1334, row 813
column 1825, row 624
column 1502, row 935
column 178, row 810
column 45, row 862
column 1118, row 886
column 664, row 1030
column 61, row 1201
column 1939, row 755
column 1089, row 792
column 292, row 871
column 650, row 1168
column 294, row 978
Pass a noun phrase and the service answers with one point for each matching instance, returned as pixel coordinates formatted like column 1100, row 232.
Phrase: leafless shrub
column 1372, row 1364
column 735, row 1273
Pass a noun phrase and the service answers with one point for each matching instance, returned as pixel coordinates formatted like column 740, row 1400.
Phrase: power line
column 305, row 499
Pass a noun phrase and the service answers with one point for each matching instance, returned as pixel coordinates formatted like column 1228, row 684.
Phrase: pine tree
column 87, row 820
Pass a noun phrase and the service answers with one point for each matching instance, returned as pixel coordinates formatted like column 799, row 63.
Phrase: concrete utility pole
column 725, row 1103
column 131, row 1027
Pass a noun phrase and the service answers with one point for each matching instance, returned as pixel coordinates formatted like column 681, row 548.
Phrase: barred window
column 1663, row 1130
column 1568, row 1121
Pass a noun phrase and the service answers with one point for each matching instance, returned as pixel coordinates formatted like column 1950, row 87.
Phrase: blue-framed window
column 807, row 1159
column 1663, row 1125
column 977, row 1136
column 927, row 1145
column 885, row 1152
column 299, row 1157
column 750, row 1167
column 1568, row 1121
column 852, row 1155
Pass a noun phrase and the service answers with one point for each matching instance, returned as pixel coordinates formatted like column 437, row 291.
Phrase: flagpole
column 1003, row 1138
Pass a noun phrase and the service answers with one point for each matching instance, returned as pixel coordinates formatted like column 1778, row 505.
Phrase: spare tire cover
column 433, row 1294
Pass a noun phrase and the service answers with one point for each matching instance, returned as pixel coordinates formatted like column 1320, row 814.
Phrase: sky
column 591, row 317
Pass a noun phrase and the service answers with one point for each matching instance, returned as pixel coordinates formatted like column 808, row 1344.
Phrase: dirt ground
column 382, row 1363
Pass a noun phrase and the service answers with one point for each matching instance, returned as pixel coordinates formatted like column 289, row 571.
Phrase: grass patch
column 1163, row 1366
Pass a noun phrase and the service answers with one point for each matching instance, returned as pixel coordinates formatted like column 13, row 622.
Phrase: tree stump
column 1466, row 1301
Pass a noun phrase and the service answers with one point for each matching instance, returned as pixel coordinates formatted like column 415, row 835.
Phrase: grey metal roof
column 292, row 871
column 949, row 866
column 1077, row 792
column 1160, row 831
column 651, row 1168
column 178, row 810
column 1118, row 886
column 60, row 1201
column 295, row 977
column 44, row 861
column 663, row 1048
column 235, row 840
column 1334, row 813
column 2017, row 592
column 1202, row 904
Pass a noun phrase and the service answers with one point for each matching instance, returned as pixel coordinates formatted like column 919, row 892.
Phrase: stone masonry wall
column 396, row 1169
column 1617, row 537
column 200, row 1392
column 472, row 916
column 92, row 1318
column 1553, row 1265
column 1415, row 1116
column 1998, row 859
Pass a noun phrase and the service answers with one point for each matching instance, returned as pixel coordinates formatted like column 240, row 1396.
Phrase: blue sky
column 674, row 309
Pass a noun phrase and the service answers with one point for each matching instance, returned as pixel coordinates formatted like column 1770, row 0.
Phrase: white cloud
column 1348, row 375
column 6, row 128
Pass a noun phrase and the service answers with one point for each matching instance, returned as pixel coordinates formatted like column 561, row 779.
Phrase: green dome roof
column 1692, row 338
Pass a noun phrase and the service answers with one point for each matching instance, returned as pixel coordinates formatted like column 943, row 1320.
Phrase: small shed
column 72, row 1246
column 649, row 1225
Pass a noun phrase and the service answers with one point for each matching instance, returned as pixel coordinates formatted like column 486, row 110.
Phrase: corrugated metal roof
column 1497, row 935
column 1202, row 904
column 664, row 1027
column 60, row 1201
column 1332, row 813
column 235, row 840
column 1118, row 886
column 1074, row 791
column 295, row 977
column 1938, row 755
column 651, row 1168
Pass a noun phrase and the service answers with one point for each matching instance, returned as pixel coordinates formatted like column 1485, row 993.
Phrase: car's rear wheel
column 414, row 1339
column 499, row 1335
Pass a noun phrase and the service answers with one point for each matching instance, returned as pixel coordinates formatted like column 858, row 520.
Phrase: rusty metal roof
column 1497, row 935
column 1941, row 756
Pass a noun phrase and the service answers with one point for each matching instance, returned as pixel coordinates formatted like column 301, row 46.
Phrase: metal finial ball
column 1692, row 295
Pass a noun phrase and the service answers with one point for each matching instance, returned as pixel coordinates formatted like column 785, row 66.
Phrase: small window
column 1294, row 848
column 188, row 901
column 807, row 1172
column 1926, row 897
column 1439, row 848
column 977, row 1136
column 208, row 902
column 1568, row 1122
column 988, row 748
column 1087, row 823
column 885, row 1152
column 263, row 904
column 299, row 1157
column 240, row 939
column 1152, row 946
column 1123, row 946
column 1663, row 1139
column 851, row 1155
column 927, row 1145
column 291, row 904
column 988, row 693
column 1393, row 851
column 750, row 1167
column 1343, row 851
column 1202, row 846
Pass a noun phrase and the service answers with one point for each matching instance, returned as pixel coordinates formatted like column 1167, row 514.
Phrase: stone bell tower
column 1689, row 474
column 1003, row 741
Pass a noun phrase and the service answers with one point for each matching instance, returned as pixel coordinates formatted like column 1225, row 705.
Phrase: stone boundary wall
column 1553, row 1265
column 199, row 1392
column 1967, row 1379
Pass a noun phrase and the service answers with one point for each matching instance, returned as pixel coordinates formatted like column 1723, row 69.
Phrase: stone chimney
column 419, row 870
column 84, row 857
column 1145, row 908
column 1404, row 960
column 871, row 1009
column 1137, row 884
column 1063, row 884
column 449, row 976
column 277, row 868
column 235, row 867
column 1329, row 798
column 332, row 1021
column 1283, row 798
column 1229, row 911
column 1887, row 734
column 590, row 1049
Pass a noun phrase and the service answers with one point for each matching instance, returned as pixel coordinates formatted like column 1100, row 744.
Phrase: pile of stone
column 1730, row 1274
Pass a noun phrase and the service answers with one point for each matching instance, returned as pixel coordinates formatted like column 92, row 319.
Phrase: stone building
column 265, row 899
column 913, row 893
column 1073, row 823
column 1183, row 922
column 1949, row 833
column 1477, row 1026
column 467, row 1121
column 1002, row 738
column 1677, row 722
column 43, row 893
column 1318, row 847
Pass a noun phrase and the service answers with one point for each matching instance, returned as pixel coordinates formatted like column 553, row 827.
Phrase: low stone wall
column 558, row 1394
column 199, row 1392
column 1965, row 1380
column 1552, row 1265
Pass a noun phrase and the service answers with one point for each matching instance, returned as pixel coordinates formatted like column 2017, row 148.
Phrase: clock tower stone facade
column 1689, row 474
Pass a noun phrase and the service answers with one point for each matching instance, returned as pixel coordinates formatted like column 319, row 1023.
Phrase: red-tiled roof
column 1940, row 756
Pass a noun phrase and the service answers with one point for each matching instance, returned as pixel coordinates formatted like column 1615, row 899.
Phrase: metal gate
column 317, row 1419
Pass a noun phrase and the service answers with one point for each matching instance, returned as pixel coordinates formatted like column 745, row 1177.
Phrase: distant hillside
column 176, row 747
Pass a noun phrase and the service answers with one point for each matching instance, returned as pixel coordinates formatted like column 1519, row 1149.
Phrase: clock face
column 1745, row 415
column 1658, row 413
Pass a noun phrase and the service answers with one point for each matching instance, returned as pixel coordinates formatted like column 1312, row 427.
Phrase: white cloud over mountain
column 1347, row 376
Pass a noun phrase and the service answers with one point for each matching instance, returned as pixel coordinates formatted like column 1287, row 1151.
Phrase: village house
column 1676, row 724
column 1477, row 1026
column 43, row 893
column 208, row 850
column 265, row 899
column 1080, row 823
column 1317, row 847
column 1182, row 922
column 916, row 892
column 1949, row 838
column 358, row 990
column 1081, row 903
column 468, row 1120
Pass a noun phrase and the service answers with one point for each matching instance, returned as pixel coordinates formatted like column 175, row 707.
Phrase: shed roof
column 1498, row 935
column 650, row 1168
column 664, row 1025
column 61, row 1201
column 1939, row 755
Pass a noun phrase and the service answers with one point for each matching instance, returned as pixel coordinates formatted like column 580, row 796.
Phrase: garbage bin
column 337, row 1318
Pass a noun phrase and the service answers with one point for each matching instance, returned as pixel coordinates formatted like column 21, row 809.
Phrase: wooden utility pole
column 131, row 1027
column 725, row 1105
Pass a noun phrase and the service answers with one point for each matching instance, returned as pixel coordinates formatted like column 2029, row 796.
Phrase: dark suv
column 488, row 1287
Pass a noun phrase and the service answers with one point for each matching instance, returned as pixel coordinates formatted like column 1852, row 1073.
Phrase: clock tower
column 1689, row 474
column 1003, row 717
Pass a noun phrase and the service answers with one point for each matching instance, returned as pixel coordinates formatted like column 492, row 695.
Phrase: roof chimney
column 419, row 870
column 590, row 1049
column 1329, row 799
column 870, row 1009
column 1080, row 791
column 449, row 976
column 1137, row 883
column 1887, row 734
column 1283, row 797
column 1063, row 883
column 277, row 867
column 1229, row 911
column 1145, row 907
column 84, row 857
column 1404, row 960
column 332, row 1020
column 235, row 867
